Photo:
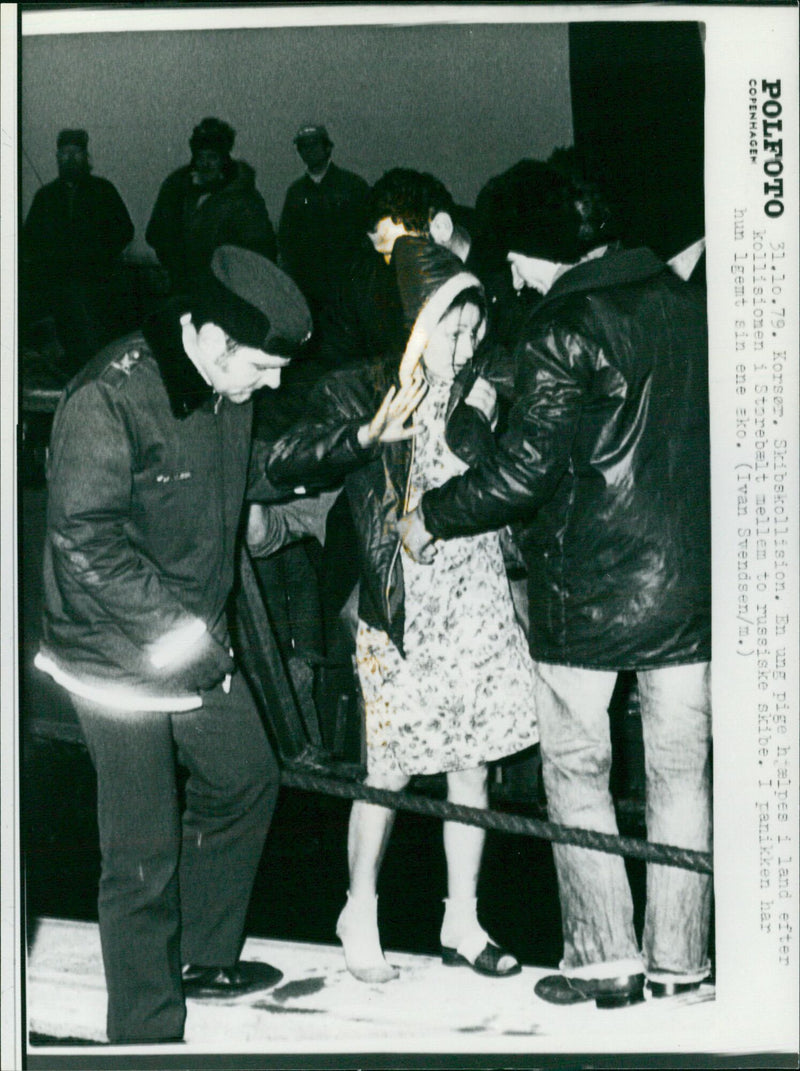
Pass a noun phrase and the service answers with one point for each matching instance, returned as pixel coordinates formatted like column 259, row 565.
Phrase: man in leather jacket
column 604, row 471
column 149, row 464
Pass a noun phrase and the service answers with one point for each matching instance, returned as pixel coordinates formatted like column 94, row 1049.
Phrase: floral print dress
column 463, row 695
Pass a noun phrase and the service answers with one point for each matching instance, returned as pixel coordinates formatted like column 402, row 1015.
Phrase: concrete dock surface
column 319, row 1008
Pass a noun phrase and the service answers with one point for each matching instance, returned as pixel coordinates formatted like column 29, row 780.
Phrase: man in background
column 209, row 202
column 366, row 317
column 322, row 222
column 72, row 240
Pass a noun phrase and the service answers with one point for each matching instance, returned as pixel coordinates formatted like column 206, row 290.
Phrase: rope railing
column 296, row 745
column 298, row 774
column 303, row 765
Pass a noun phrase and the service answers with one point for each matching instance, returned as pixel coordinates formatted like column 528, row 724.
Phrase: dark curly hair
column 409, row 197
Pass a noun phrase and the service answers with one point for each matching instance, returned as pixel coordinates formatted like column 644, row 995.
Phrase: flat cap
column 72, row 137
column 311, row 130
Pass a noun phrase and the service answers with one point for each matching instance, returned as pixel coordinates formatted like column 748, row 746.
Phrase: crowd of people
column 436, row 396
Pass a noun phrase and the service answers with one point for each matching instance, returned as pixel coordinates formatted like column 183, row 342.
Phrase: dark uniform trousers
column 175, row 884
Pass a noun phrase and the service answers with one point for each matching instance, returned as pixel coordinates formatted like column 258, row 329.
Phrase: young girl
column 443, row 665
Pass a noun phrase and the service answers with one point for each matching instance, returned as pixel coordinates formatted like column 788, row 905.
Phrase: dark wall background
column 637, row 104
column 463, row 101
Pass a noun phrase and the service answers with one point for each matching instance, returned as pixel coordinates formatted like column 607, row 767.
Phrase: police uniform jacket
column 147, row 474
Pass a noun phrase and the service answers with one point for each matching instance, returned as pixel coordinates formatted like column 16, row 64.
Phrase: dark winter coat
column 75, row 231
column 323, row 449
column 364, row 317
column 321, row 228
column 605, row 469
column 184, row 231
column 146, row 479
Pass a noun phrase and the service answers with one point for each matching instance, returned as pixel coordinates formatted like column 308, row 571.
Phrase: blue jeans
column 596, row 903
column 175, row 885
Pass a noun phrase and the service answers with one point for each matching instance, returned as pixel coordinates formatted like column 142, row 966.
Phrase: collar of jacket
column 79, row 182
column 186, row 389
column 328, row 174
column 242, row 177
column 239, row 176
column 616, row 267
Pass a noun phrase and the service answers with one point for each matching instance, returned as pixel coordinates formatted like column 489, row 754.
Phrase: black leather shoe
column 671, row 989
column 605, row 992
column 143, row 1041
column 208, row 982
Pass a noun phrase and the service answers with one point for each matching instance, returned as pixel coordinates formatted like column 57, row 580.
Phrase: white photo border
column 751, row 54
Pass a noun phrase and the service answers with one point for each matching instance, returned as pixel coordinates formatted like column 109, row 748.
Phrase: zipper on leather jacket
column 406, row 499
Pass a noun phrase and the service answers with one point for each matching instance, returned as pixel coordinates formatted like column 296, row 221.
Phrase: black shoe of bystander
column 671, row 989
column 605, row 992
column 226, row 982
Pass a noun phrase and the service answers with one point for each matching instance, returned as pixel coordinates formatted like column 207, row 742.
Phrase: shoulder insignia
column 124, row 362
column 127, row 362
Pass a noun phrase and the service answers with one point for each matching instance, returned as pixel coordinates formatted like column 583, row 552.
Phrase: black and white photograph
column 400, row 536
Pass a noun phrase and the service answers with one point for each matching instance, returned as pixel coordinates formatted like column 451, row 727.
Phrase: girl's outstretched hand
column 388, row 424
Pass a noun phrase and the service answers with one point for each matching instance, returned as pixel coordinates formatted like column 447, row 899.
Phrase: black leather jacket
column 322, row 450
column 604, row 469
